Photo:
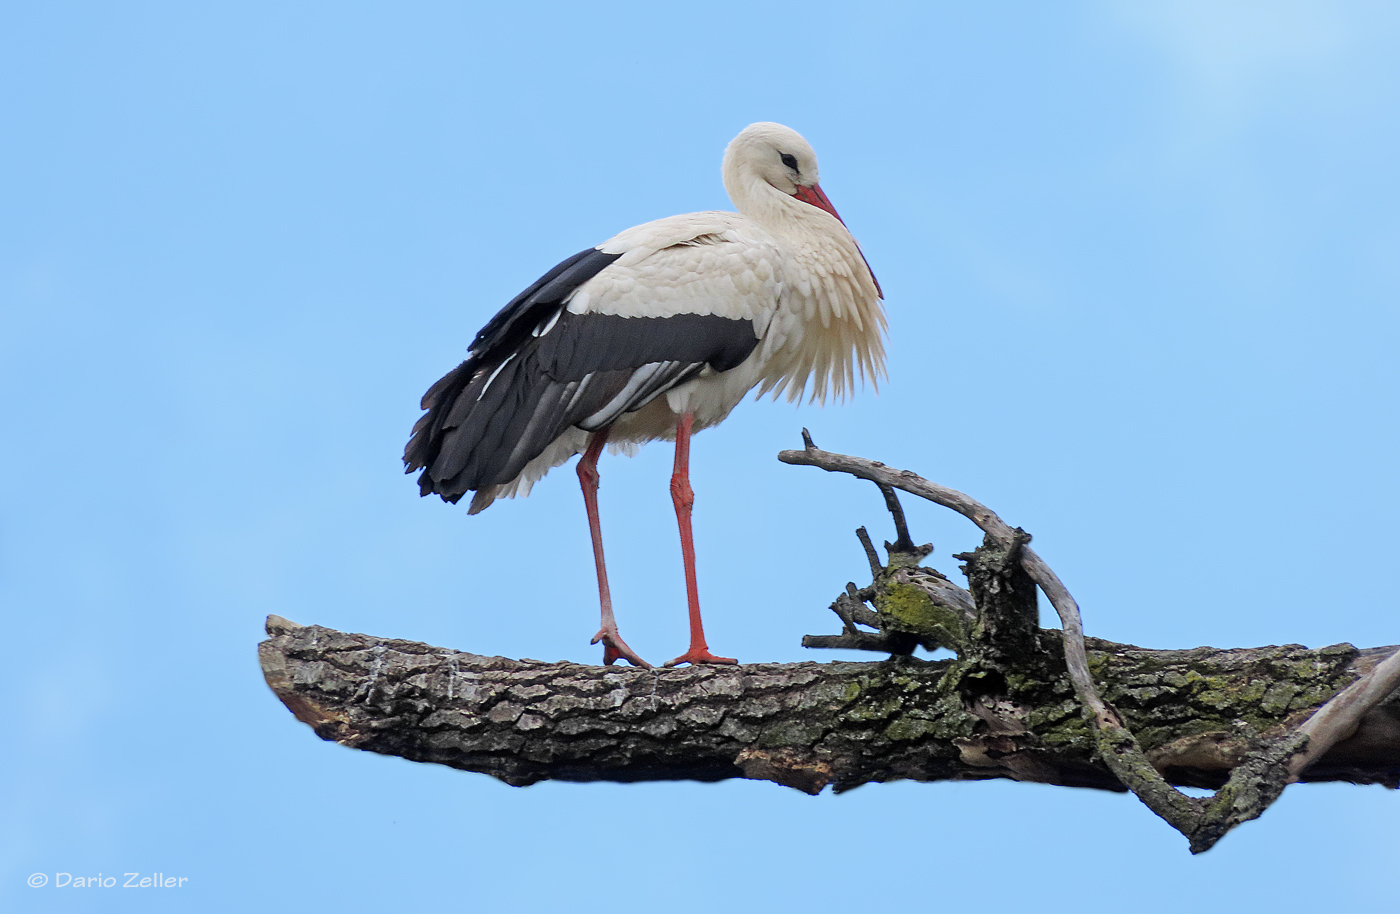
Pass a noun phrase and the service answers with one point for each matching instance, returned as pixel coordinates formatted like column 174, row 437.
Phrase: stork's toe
column 615, row 649
column 694, row 656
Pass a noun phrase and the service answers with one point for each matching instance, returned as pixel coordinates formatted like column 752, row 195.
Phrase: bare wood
column 1341, row 716
column 810, row 725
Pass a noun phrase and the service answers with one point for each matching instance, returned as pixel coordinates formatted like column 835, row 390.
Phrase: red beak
column 817, row 198
column 814, row 196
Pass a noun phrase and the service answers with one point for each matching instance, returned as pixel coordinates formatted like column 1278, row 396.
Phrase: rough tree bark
column 1019, row 701
column 809, row 725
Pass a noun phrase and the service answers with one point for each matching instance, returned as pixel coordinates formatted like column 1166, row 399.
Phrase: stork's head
column 770, row 172
column 776, row 156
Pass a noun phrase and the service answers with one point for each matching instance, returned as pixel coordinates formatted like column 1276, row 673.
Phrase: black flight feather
column 516, row 392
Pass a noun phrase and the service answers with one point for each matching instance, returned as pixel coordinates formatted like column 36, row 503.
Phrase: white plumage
column 657, row 332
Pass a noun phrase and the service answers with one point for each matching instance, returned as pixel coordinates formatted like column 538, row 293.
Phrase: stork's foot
column 615, row 649
column 699, row 655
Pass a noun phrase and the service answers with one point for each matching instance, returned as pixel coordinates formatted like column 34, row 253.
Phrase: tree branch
column 1018, row 702
column 809, row 725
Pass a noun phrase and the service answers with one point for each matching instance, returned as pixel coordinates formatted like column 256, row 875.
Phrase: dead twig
column 902, row 542
column 871, row 555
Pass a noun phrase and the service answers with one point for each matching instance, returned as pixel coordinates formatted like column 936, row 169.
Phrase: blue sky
column 1142, row 267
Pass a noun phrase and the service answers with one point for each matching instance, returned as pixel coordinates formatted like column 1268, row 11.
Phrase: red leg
column 684, row 498
column 614, row 648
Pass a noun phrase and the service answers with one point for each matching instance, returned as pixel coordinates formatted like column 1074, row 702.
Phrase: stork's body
column 654, row 334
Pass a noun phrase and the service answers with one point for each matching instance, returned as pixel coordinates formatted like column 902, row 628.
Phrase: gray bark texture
column 1195, row 712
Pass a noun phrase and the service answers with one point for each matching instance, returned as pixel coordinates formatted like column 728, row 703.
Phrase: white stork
column 655, row 334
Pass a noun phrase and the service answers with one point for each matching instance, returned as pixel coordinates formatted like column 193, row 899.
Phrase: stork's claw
column 697, row 656
column 614, row 649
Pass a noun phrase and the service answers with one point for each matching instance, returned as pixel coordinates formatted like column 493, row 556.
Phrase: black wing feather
column 517, row 392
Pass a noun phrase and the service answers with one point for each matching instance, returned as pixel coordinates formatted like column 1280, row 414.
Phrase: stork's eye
column 790, row 160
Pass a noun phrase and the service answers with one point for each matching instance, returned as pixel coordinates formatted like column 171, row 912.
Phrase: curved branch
column 1254, row 783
